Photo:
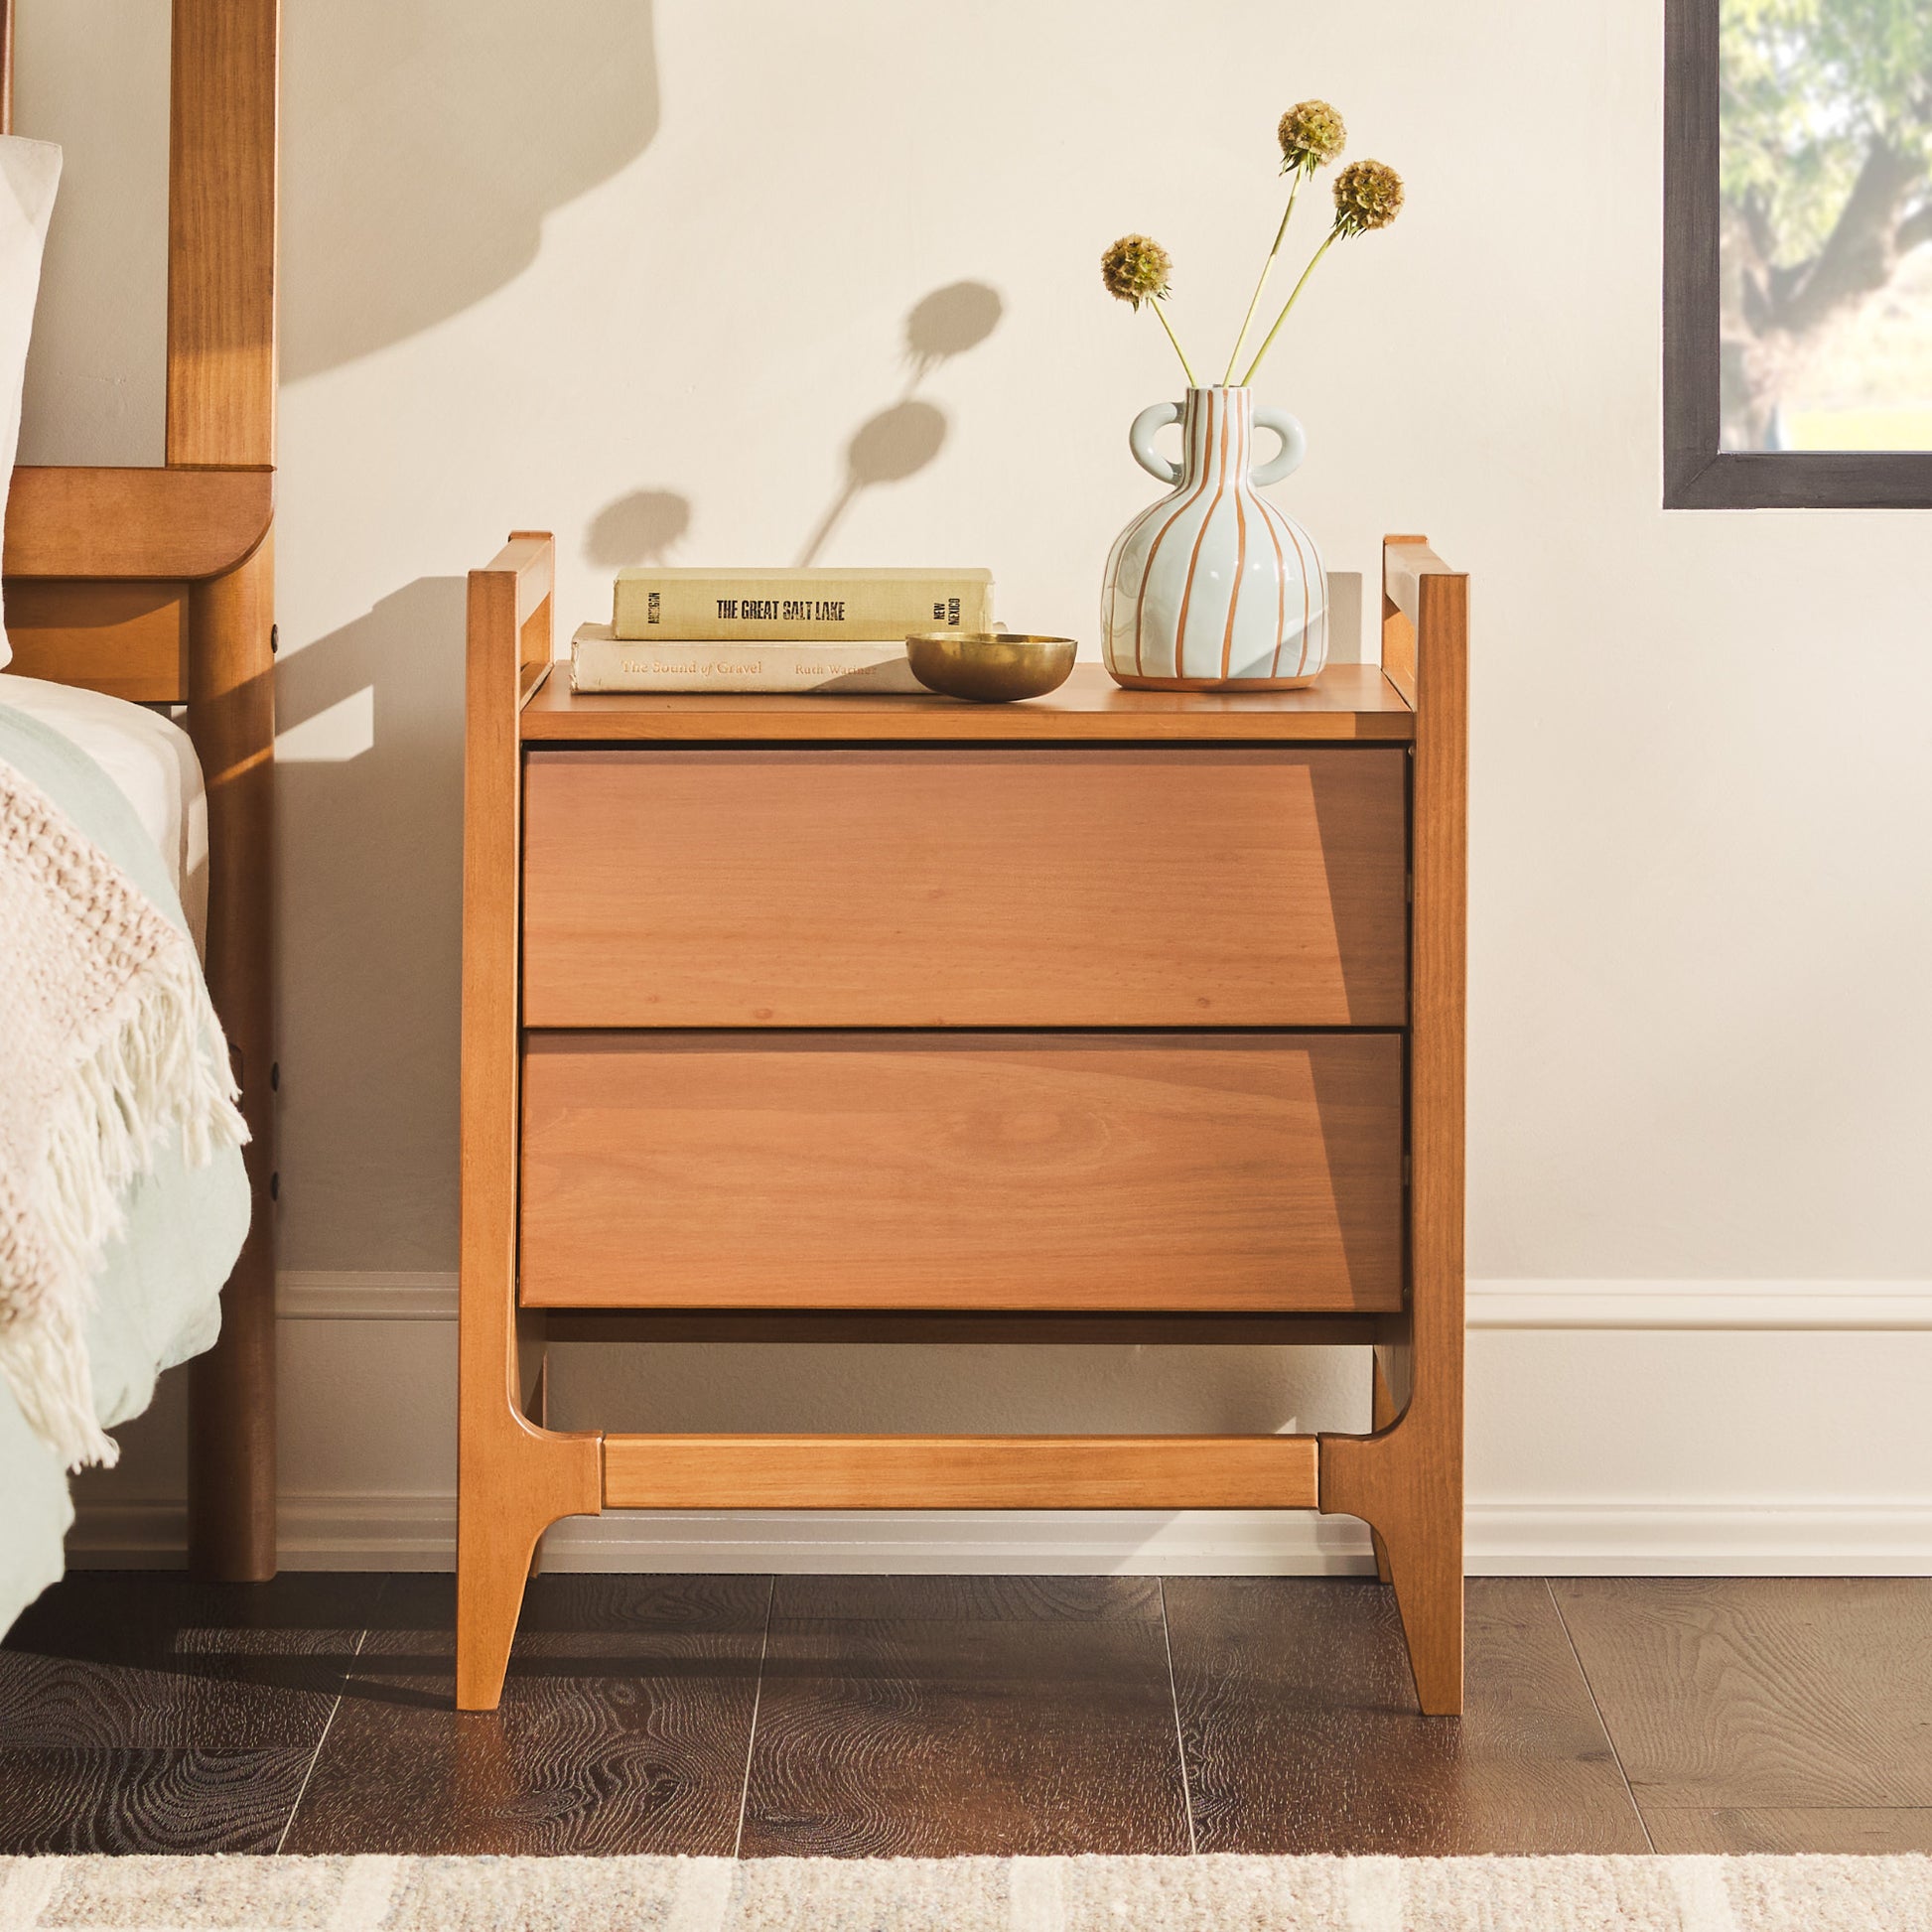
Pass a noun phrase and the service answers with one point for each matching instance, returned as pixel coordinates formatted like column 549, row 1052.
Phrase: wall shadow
column 903, row 439
column 641, row 528
column 425, row 141
column 371, row 930
column 892, row 445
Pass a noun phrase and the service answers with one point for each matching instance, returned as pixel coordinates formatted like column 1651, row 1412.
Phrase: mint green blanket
column 157, row 1294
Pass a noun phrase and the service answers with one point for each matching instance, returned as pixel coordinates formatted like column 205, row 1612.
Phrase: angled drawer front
column 940, row 886
column 956, row 1170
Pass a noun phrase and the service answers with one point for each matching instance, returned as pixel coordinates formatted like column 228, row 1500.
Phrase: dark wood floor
column 865, row 1716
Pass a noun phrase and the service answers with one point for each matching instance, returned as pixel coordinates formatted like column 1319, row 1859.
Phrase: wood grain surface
column 514, row 1481
column 70, row 1802
column 154, row 1661
column 941, row 1717
column 624, row 1725
column 953, row 885
column 145, row 1712
column 1773, row 1694
column 1249, row 1172
column 1302, row 1733
column 224, row 78
column 232, row 1435
column 107, row 523
column 959, row 1471
column 1881, row 1831
column 128, row 639
column 141, row 1712
column 1347, row 701
column 1406, row 1480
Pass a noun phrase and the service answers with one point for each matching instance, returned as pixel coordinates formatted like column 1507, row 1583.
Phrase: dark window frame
column 1698, row 473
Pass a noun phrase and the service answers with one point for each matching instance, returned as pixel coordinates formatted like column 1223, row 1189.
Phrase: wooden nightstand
column 1111, row 1015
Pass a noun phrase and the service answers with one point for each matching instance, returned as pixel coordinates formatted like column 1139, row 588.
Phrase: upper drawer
column 965, row 887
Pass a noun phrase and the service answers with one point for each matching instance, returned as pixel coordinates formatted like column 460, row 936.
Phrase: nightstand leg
column 512, row 1482
column 1381, row 1414
column 1406, row 1482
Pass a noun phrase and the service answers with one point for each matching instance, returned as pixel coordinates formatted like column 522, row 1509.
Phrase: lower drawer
column 962, row 1170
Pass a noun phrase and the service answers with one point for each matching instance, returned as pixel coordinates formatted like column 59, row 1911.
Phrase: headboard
column 158, row 585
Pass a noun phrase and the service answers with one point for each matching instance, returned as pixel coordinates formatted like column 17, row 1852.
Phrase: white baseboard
column 1850, row 1350
column 1719, row 1539
column 1764, row 1307
column 1769, row 1305
column 1504, row 1539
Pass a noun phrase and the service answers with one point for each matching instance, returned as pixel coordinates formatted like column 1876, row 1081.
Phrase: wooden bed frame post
column 232, row 717
column 513, row 1477
column 222, row 374
column 1406, row 1479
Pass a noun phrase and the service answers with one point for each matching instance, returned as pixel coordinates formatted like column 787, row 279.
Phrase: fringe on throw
column 161, row 1069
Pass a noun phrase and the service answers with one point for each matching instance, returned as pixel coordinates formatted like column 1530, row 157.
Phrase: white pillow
column 30, row 171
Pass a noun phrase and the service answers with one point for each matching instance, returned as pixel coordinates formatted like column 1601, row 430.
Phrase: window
column 1798, row 253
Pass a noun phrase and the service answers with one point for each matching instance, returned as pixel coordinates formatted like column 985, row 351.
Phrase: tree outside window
column 1825, row 224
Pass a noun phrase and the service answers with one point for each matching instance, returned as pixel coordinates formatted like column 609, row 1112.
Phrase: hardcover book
column 799, row 607
column 602, row 661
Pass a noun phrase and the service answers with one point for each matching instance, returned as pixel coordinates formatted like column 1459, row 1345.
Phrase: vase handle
column 1295, row 446
column 1140, row 438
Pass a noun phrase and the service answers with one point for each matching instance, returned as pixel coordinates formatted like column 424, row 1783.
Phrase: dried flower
column 1135, row 269
column 1311, row 134
column 1368, row 195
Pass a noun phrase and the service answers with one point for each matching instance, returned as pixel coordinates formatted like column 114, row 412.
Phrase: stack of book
column 772, row 630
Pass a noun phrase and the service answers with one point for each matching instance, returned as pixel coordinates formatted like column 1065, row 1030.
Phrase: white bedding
column 152, row 766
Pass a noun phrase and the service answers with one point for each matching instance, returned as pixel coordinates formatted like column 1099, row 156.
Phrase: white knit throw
column 108, row 1045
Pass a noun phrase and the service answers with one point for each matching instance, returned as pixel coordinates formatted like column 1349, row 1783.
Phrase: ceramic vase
column 1213, row 588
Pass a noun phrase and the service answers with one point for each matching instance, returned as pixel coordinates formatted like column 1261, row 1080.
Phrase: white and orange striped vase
column 1214, row 589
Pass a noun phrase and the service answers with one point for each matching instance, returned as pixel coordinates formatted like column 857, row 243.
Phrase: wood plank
column 926, row 1327
column 149, row 1712
column 231, row 1438
column 1406, row 1480
column 966, row 886
column 128, row 639
column 155, row 1660
column 222, row 229
column 1302, row 1736
column 623, row 1728
column 175, row 1803
column 1772, row 1693
column 1348, row 702
column 512, row 1479
column 941, row 1717
column 134, row 523
column 959, row 1471
column 1879, row 1832
column 1406, row 561
column 1249, row 1172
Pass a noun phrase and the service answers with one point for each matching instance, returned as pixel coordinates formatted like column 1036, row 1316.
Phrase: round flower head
column 1135, row 269
column 1368, row 195
column 1311, row 133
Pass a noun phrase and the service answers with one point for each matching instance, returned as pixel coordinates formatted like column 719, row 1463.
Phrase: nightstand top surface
column 1348, row 701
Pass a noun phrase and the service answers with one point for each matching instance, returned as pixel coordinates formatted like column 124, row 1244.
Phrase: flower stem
column 1154, row 303
column 1289, row 304
column 1267, row 269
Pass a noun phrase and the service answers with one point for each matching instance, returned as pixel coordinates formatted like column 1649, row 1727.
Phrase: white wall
column 640, row 274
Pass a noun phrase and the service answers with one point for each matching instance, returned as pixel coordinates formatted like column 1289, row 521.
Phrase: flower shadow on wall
column 901, row 440
column 424, row 143
column 646, row 525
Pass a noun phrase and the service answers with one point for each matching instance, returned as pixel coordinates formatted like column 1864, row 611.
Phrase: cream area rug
column 1095, row 1894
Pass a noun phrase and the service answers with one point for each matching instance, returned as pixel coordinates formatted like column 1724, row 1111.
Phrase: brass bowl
column 991, row 666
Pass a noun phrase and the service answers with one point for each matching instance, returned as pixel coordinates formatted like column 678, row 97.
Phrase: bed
column 130, row 595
